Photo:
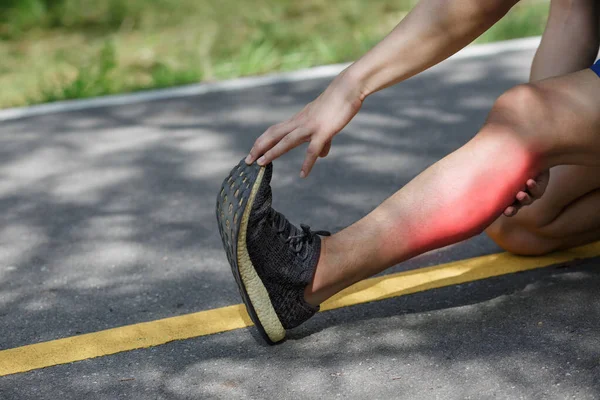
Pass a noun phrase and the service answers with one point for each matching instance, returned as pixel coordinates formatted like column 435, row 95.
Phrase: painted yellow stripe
column 153, row 333
column 454, row 273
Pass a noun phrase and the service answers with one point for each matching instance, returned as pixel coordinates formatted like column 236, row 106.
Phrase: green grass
column 64, row 49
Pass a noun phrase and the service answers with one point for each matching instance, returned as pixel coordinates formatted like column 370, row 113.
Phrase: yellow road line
column 453, row 273
column 153, row 333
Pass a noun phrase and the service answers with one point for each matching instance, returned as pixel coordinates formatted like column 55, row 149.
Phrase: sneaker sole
column 234, row 203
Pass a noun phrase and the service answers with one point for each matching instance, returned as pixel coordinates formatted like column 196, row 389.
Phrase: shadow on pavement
column 108, row 220
column 533, row 336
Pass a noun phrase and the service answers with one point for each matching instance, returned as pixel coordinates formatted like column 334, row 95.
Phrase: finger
column 267, row 140
column 524, row 199
column 289, row 141
column 326, row 149
column 536, row 187
column 312, row 153
column 510, row 211
column 533, row 189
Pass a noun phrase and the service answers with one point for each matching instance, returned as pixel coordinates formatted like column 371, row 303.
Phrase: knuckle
column 313, row 150
column 263, row 142
column 275, row 128
column 316, row 126
column 258, row 143
column 286, row 140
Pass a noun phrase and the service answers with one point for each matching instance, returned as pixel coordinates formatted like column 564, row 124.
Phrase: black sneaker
column 272, row 260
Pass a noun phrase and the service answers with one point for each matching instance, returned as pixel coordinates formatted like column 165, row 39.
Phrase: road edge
column 320, row 72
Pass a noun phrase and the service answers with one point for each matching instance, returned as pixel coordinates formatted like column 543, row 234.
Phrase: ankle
column 316, row 292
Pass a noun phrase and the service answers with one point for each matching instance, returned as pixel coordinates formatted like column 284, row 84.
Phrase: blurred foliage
column 17, row 17
column 61, row 49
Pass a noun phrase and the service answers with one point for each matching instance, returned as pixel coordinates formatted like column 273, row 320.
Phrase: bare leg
column 565, row 216
column 430, row 212
column 569, row 44
column 570, row 40
column 530, row 129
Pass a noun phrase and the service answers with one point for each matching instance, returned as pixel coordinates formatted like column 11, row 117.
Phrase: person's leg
column 531, row 128
column 570, row 40
column 564, row 216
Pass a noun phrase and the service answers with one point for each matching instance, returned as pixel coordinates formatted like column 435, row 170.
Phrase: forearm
column 430, row 33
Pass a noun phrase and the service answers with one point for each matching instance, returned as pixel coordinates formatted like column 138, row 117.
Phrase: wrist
column 355, row 81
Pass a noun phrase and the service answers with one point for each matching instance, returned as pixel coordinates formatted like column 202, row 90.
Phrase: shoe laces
column 297, row 239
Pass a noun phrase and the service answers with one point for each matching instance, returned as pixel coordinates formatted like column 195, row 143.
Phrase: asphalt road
column 108, row 220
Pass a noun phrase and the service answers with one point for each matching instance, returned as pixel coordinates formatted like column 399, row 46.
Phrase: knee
column 519, row 239
column 517, row 121
column 520, row 100
column 520, row 112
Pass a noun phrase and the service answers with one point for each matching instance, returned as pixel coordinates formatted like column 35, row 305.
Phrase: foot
column 271, row 259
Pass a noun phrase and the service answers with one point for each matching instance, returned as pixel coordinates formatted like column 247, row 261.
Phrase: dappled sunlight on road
column 107, row 210
column 108, row 220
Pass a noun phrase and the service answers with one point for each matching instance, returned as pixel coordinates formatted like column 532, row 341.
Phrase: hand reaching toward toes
column 317, row 124
column 534, row 189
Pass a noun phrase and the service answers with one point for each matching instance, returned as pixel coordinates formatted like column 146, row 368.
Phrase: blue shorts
column 596, row 68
